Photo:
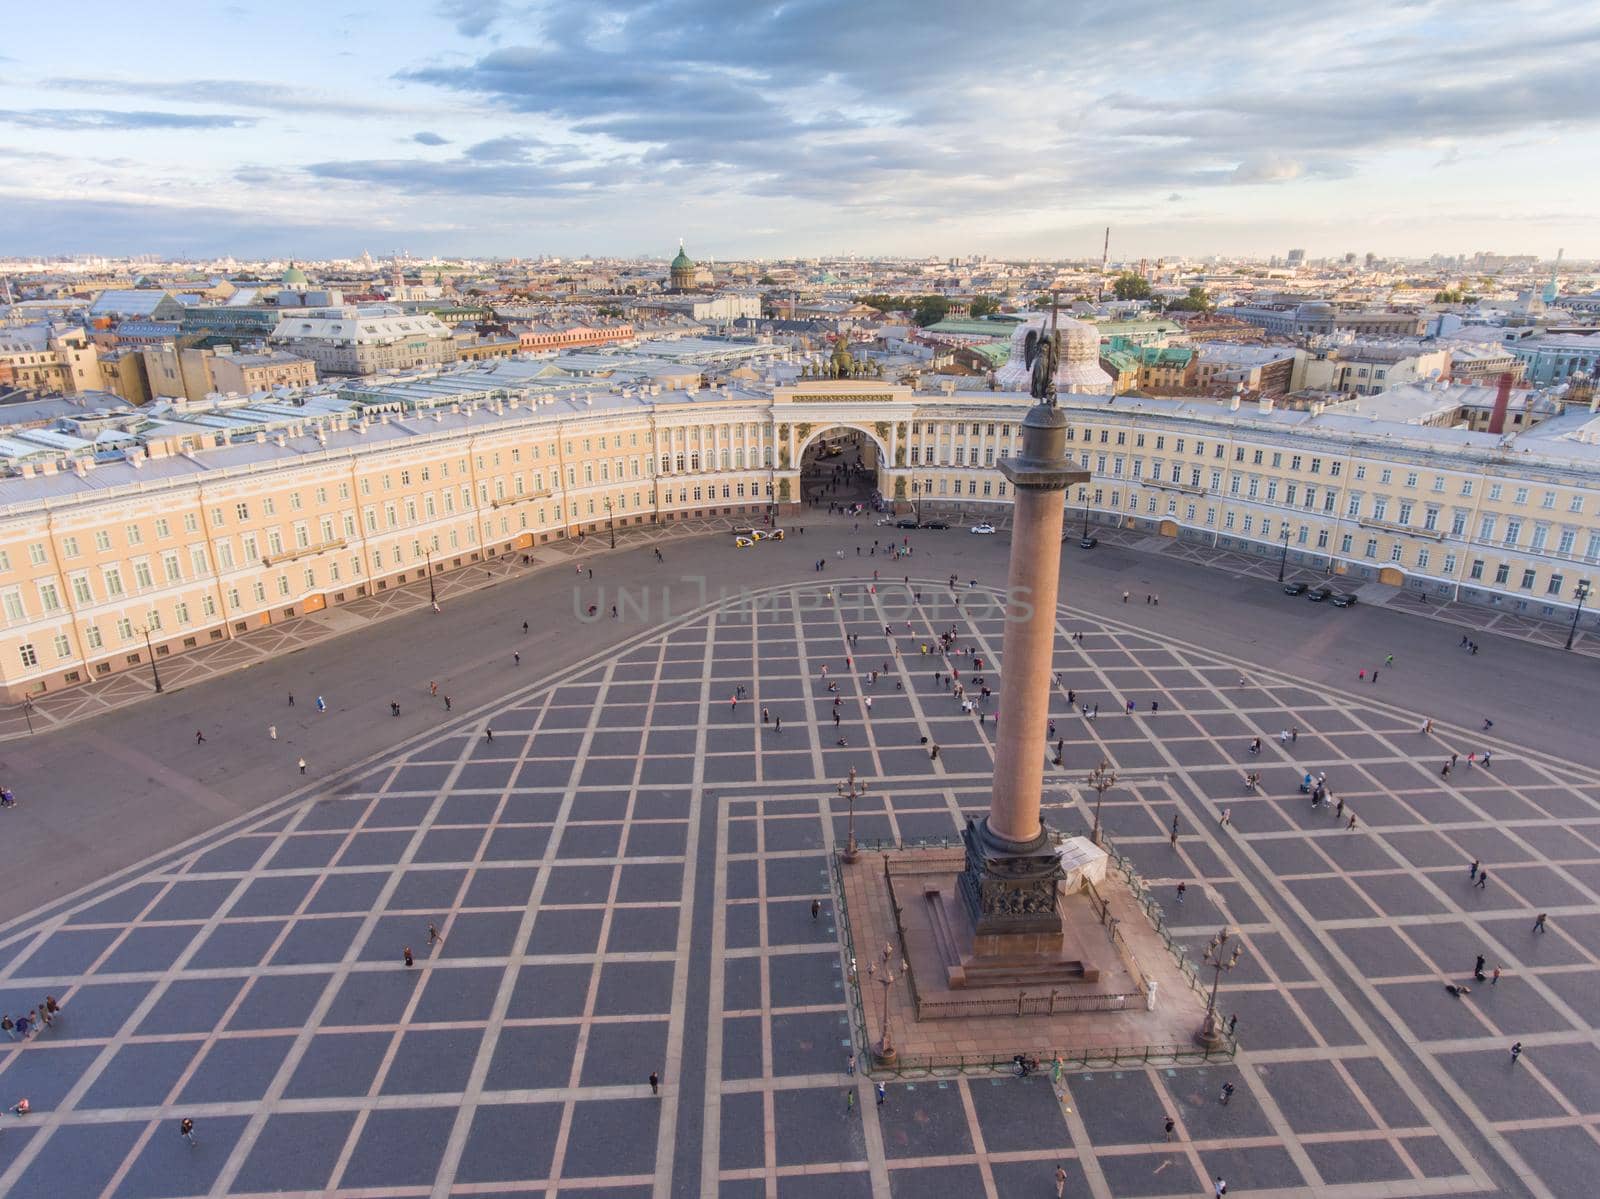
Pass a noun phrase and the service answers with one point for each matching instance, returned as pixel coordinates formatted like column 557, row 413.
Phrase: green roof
column 682, row 262
column 1120, row 360
column 1165, row 355
column 996, row 352
column 973, row 328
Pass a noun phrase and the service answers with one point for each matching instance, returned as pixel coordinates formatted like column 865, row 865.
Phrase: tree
column 1450, row 295
column 983, row 306
column 1196, row 301
column 931, row 310
column 766, row 280
column 1129, row 286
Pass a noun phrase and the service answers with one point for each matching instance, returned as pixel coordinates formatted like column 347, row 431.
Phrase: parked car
column 935, row 524
column 1344, row 599
column 906, row 523
column 1294, row 588
column 1317, row 594
column 1088, row 543
column 985, row 527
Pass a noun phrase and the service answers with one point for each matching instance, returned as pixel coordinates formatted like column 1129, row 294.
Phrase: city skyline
column 478, row 127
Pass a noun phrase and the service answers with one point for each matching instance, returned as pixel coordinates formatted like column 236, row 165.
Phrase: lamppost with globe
column 850, row 791
column 1211, row 1035
column 1284, row 560
column 1582, row 594
column 611, row 522
column 1102, row 778
column 884, row 1051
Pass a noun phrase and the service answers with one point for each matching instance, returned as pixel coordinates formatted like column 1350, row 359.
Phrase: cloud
column 1268, row 168
column 73, row 119
column 237, row 93
column 472, row 18
column 425, row 138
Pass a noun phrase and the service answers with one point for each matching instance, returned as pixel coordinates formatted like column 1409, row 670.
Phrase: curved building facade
column 214, row 523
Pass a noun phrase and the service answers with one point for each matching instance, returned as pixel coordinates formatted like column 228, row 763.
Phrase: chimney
column 1265, row 404
column 1502, row 399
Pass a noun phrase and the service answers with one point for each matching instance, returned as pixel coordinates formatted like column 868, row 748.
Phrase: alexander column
column 1009, row 883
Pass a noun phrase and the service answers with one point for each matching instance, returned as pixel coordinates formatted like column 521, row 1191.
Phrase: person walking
column 1219, row 1188
column 1516, row 1052
column 1495, row 977
column 406, row 953
column 1167, row 1128
column 1124, row 597
column 849, row 1100
column 1483, row 879
column 1472, row 870
column 933, row 754
column 8, row 1026
column 1233, row 1023
column 322, row 704
column 1477, row 968
column 777, row 724
column 524, row 628
column 1061, row 1182
column 516, row 657
column 1182, row 890
column 1227, row 1094
column 199, row 737
column 882, row 1094
column 816, row 908
column 291, row 699
column 447, row 704
column 850, row 1064
column 272, row 731
column 1226, row 818
column 186, row 1131
column 302, row 765
column 1538, row 923
column 655, row 1083
column 488, row 734
column 1352, row 824
column 433, row 688
column 433, row 935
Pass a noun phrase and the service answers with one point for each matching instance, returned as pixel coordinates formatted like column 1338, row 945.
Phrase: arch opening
column 841, row 465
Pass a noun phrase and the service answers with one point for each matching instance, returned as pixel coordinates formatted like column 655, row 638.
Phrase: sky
column 800, row 128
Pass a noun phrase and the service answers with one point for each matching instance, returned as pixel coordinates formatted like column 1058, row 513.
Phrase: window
column 1486, row 527
column 1513, row 531
column 1380, row 508
column 1566, row 541
column 102, row 541
column 1395, row 552
column 134, row 534
column 69, row 547
column 125, row 629
column 191, row 523
column 1411, row 479
column 1527, row 579
column 1361, row 472
column 1502, row 573
column 91, row 634
column 29, row 657
column 268, row 507
column 1553, row 587
column 1521, row 496
column 1372, row 547
column 49, row 597
column 80, row 589
column 113, row 581
column 1449, row 564
column 141, row 575
column 12, row 602
column 1495, row 491
column 1405, row 512
column 1466, row 486
column 1548, row 500
column 1576, row 504
column 242, row 511
column 63, row 646
column 1477, row 569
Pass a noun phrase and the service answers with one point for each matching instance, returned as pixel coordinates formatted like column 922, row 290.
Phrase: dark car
column 1088, row 543
column 1317, row 594
column 1294, row 588
column 935, row 524
column 1344, row 600
column 907, row 523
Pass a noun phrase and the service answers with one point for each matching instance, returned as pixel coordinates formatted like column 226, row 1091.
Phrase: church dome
column 682, row 262
column 294, row 277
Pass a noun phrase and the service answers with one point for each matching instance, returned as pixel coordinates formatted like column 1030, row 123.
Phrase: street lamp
column 916, row 504
column 1210, row 1033
column 1102, row 778
column 884, row 1051
column 1583, row 594
column 851, row 792
column 154, row 673
column 611, row 523
column 1284, row 561
column 1085, row 494
column 27, row 712
column 433, row 596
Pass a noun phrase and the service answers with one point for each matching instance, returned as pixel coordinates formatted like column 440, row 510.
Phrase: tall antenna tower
column 1105, row 255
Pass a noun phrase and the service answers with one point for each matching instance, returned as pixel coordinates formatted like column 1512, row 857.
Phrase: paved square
column 622, row 879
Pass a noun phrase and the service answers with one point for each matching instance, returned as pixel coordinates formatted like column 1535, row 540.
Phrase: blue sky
column 801, row 127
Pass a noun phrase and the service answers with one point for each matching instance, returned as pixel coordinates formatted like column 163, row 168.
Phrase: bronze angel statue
column 1041, row 352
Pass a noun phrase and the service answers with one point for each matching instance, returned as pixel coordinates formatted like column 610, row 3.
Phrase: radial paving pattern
column 623, row 879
